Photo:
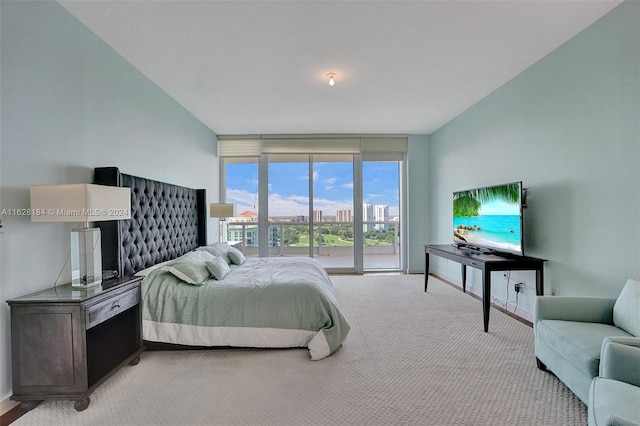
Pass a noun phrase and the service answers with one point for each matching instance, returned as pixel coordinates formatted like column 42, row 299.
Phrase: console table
column 487, row 263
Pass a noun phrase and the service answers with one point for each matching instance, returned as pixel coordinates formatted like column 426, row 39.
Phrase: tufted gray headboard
column 166, row 222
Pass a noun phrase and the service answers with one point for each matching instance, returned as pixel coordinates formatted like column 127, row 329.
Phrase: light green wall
column 70, row 103
column 417, row 200
column 568, row 127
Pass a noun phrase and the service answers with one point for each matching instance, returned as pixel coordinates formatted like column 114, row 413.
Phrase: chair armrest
column 620, row 361
column 614, row 420
column 583, row 309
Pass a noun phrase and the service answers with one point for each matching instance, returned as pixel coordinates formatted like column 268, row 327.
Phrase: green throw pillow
column 626, row 311
column 236, row 256
column 189, row 271
column 217, row 249
column 218, row 268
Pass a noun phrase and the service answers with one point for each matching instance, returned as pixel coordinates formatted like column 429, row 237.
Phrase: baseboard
column 7, row 405
column 479, row 297
column 10, row 411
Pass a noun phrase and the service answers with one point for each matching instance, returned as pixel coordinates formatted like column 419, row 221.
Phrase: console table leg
column 486, row 297
column 426, row 271
column 464, row 277
column 539, row 282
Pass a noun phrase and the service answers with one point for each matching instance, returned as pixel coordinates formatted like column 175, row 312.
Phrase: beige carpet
column 410, row 358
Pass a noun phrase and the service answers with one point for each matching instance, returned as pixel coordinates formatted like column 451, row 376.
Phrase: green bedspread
column 266, row 302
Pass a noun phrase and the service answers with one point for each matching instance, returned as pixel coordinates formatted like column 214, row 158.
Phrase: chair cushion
column 613, row 403
column 626, row 311
column 577, row 342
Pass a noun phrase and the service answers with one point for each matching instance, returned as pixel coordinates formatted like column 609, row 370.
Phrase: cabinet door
column 48, row 349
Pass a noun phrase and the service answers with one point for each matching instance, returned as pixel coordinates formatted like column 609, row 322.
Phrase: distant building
column 238, row 231
column 381, row 215
column 367, row 216
column 317, row 216
column 343, row 215
column 246, row 216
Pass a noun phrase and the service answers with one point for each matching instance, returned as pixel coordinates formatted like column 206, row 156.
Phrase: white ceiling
column 259, row 67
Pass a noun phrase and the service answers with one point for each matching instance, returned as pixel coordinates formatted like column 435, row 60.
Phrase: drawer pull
column 101, row 312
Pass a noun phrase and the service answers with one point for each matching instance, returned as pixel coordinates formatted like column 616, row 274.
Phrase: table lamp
column 82, row 203
column 222, row 211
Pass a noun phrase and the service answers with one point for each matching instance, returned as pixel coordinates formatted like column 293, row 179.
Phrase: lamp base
column 222, row 235
column 86, row 258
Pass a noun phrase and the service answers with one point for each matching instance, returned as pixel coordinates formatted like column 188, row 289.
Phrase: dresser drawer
column 109, row 308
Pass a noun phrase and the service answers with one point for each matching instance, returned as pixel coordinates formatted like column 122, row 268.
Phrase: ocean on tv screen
column 499, row 231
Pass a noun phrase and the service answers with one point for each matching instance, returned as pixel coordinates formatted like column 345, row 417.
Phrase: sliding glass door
column 310, row 208
column 240, row 182
column 381, row 215
column 332, row 208
column 343, row 209
column 288, row 195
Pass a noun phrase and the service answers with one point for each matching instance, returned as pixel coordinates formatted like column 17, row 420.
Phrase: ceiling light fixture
column 331, row 76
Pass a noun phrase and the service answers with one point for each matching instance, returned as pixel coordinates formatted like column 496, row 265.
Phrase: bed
column 202, row 295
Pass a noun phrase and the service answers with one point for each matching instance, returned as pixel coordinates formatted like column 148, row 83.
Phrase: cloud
column 299, row 205
column 296, row 205
column 244, row 200
column 289, row 206
column 306, row 176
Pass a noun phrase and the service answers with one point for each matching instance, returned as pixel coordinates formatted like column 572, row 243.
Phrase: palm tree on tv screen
column 467, row 203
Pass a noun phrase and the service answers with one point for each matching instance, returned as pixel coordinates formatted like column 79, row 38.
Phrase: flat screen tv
column 490, row 219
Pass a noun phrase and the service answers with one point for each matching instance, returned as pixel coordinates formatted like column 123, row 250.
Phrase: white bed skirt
column 251, row 337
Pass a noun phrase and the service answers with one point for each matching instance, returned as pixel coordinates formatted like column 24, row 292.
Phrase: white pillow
column 626, row 311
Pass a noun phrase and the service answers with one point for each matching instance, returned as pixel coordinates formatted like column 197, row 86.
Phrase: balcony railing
column 333, row 243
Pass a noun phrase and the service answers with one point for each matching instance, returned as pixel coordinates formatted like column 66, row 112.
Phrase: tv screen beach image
column 489, row 217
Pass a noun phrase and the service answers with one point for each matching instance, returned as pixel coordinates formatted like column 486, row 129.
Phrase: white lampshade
column 222, row 210
column 81, row 203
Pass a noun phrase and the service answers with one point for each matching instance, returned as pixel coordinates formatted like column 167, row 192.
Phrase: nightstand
column 65, row 342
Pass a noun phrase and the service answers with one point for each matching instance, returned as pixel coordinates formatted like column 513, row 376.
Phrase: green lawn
column 335, row 241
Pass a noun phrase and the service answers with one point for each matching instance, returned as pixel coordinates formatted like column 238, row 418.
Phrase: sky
column 499, row 208
column 332, row 187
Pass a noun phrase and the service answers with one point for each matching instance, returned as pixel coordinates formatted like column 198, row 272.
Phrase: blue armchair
column 614, row 396
column 570, row 332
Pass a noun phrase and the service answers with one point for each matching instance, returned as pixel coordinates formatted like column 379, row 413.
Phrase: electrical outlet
column 554, row 292
column 518, row 287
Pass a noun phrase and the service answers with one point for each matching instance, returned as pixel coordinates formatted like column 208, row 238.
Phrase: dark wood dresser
column 65, row 342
